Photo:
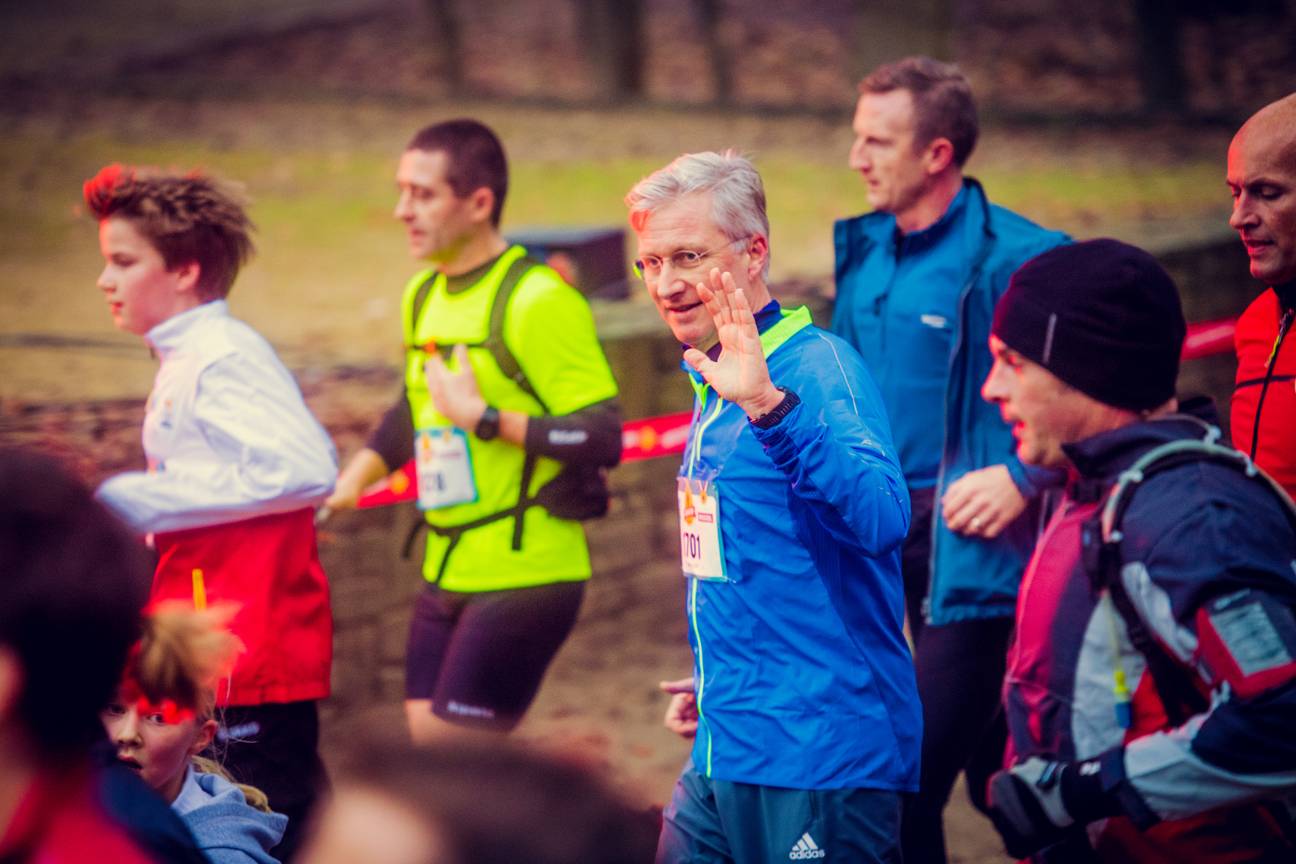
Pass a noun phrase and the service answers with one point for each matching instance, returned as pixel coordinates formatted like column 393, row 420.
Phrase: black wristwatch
column 488, row 425
column 779, row 411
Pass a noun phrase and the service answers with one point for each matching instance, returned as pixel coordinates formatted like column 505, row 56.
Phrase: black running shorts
column 480, row 657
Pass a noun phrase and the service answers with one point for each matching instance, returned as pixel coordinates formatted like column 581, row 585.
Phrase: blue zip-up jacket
column 803, row 677
column 971, row 578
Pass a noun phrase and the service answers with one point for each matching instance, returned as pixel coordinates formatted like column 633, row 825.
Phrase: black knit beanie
column 1103, row 316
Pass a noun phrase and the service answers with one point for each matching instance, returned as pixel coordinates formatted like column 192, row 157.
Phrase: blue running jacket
column 802, row 674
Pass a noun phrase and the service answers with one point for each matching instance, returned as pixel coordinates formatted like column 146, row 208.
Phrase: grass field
column 325, row 284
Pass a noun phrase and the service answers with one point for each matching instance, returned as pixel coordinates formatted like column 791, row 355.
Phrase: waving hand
column 739, row 374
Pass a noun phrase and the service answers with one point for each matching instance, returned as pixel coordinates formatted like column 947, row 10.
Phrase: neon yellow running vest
column 550, row 331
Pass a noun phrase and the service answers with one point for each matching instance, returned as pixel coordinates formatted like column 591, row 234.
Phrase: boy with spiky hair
column 237, row 464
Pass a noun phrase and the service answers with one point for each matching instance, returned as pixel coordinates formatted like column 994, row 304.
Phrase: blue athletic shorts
column 722, row 822
column 480, row 657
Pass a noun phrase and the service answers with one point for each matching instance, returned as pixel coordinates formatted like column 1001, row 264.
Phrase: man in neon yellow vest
column 509, row 409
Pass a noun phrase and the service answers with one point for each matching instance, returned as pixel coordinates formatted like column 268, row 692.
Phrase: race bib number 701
column 701, row 549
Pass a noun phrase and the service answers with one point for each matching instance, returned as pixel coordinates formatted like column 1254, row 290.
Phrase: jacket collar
column 766, row 317
column 877, row 227
column 1103, row 456
column 918, row 241
column 1286, row 295
column 164, row 338
column 775, row 326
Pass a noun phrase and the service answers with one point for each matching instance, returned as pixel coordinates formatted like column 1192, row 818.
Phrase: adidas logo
column 806, row 849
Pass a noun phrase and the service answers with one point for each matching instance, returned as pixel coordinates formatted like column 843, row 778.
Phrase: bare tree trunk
column 1160, row 60
column 710, row 14
column 613, row 32
column 887, row 30
column 446, row 43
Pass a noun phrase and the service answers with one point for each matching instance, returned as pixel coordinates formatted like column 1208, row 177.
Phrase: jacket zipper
column 700, row 685
column 1284, row 324
column 983, row 252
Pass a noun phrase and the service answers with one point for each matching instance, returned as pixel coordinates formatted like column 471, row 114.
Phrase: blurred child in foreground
column 161, row 718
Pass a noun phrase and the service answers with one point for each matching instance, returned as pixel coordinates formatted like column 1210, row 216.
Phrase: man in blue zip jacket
column 917, row 281
column 802, row 705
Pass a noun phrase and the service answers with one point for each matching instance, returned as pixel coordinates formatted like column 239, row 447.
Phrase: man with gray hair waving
column 792, row 508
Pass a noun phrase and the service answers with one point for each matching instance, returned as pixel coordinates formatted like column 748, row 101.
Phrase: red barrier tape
column 652, row 437
column 393, row 489
column 1208, row 337
column 640, row 439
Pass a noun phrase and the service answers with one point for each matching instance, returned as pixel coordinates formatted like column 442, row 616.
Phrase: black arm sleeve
column 591, row 436
column 393, row 439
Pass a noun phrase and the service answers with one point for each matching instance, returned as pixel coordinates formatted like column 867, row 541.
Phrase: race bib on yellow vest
column 443, row 468
column 701, row 550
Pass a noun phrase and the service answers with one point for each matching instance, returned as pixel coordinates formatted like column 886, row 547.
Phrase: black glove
column 1036, row 803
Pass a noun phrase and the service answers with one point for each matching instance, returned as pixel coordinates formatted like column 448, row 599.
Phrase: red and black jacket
column 1263, row 412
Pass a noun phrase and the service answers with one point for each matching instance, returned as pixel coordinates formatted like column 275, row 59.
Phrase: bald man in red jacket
column 1262, row 177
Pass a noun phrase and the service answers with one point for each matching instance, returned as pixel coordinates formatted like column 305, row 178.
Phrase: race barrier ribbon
column 651, row 437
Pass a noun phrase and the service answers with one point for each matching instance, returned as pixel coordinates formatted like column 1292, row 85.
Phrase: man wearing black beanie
column 1151, row 683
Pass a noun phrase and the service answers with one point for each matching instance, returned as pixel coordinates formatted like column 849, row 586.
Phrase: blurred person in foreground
column 792, row 508
column 474, row 801
column 236, row 466
column 509, row 410
column 1151, row 686
column 1262, row 178
column 163, row 716
column 72, row 581
column 917, row 280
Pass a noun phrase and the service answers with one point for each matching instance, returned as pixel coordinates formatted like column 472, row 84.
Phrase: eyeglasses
column 684, row 259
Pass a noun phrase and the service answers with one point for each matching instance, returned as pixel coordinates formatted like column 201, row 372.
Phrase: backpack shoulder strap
column 1174, row 454
column 416, row 307
column 1176, row 685
column 495, row 342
